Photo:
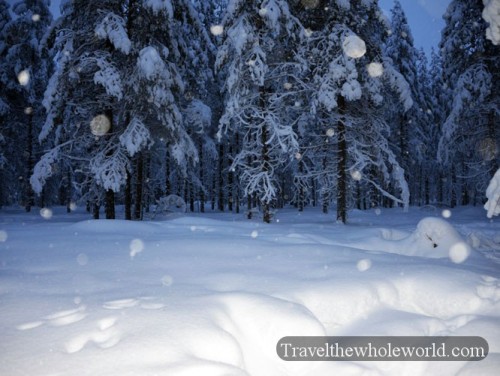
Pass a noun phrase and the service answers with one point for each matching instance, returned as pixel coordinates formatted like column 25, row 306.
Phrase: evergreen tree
column 349, row 77
column 468, row 147
column 26, row 70
column 256, row 53
column 82, row 101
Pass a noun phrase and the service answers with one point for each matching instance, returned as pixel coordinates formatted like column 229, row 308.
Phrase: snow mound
column 436, row 238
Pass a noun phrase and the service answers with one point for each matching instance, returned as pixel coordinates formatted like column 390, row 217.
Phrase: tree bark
column 342, row 165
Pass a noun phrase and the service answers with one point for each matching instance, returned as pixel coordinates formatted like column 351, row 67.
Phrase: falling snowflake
column 217, row 30
column 3, row 236
column 28, row 110
column 287, row 85
column 46, row 213
column 24, row 77
column 298, row 156
column 375, row 69
column 364, row 265
column 136, row 247
column 446, row 213
column 459, row 252
column 100, row 125
column 308, row 32
column 254, row 234
column 167, row 280
column 35, row 17
column 356, row 175
column 262, row 12
column 354, row 46
column 72, row 206
column 378, row 211
column 330, row 132
column 82, row 259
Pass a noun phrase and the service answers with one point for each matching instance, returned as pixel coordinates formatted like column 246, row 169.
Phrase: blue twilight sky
column 424, row 17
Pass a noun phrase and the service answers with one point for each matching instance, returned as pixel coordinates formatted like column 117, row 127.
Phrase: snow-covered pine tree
column 257, row 50
column 25, row 77
column 470, row 139
column 407, row 126
column 439, row 98
column 6, row 173
column 82, row 101
column 348, row 78
column 168, row 74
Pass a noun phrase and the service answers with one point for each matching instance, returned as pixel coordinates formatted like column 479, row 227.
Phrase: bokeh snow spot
column 35, row 17
column 364, row 265
column 459, row 252
column 3, row 236
column 82, row 259
column 24, row 77
column 167, row 280
column 100, row 125
column 254, row 234
column 378, row 211
column 446, row 213
column 136, row 247
column 356, row 175
column 28, row 110
column 46, row 213
column 72, row 206
column 354, row 46
column 375, row 69
column 217, row 30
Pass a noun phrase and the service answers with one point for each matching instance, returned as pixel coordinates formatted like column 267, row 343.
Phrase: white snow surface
column 212, row 294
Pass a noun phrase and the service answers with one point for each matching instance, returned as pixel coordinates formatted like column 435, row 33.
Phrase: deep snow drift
column 213, row 294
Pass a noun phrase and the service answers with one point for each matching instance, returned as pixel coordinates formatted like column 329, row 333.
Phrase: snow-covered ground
column 213, row 294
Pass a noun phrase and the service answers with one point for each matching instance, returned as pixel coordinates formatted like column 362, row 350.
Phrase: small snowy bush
column 493, row 195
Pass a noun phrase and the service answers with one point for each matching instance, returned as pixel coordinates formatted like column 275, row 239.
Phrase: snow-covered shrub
column 170, row 204
column 493, row 195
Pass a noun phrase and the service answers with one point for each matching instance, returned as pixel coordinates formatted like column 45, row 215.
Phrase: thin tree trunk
column 220, row 201
column 128, row 197
column 138, row 187
column 341, row 166
column 265, row 158
column 110, row 204
column 30, row 195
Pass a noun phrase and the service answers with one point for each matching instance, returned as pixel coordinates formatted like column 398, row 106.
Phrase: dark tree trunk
column 266, row 213
column 220, row 201
column 128, row 197
column 342, row 165
column 139, row 181
column 168, row 184
column 202, row 178
column 230, row 187
column 95, row 210
column 30, row 195
column 110, row 204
